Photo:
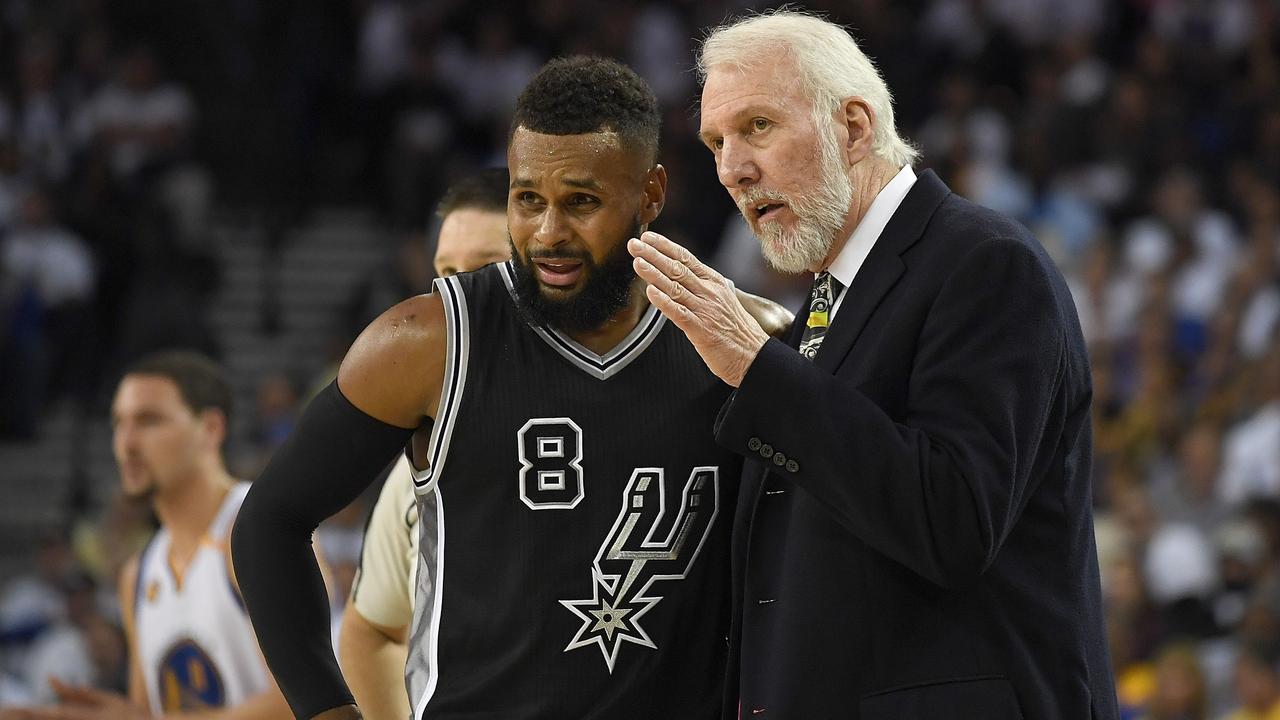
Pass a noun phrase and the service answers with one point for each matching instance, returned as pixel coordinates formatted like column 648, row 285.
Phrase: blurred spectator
column 486, row 69
column 276, row 408
column 417, row 137
column 1183, row 485
column 53, row 269
column 1252, row 464
column 1257, row 684
column 1243, row 567
column 41, row 123
column 31, row 604
column 140, row 121
column 83, row 649
column 1181, row 572
column 10, row 183
column 1195, row 246
column 276, row 411
column 1179, row 692
column 143, row 125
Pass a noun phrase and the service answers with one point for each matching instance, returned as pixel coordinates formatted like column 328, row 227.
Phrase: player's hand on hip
column 702, row 303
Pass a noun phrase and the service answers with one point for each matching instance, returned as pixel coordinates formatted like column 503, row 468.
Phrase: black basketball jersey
column 574, row 523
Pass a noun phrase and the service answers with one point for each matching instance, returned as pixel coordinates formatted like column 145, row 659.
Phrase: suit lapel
column 797, row 326
column 881, row 270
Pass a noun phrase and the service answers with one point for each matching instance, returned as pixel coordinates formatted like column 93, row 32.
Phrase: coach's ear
column 855, row 129
column 655, row 194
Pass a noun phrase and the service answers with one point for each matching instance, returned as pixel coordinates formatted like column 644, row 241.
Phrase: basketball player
column 375, row 623
column 191, row 646
column 374, row 645
column 574, row 506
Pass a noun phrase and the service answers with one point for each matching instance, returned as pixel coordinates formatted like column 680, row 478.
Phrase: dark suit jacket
column 913, row 537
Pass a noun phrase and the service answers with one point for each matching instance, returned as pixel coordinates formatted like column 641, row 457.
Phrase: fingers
column 678, row 254
column 674, row 311
column 80, row 695
column 657, row 278
column 675, row 278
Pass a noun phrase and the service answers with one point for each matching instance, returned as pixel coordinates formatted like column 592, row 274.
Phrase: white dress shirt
column 846, row 265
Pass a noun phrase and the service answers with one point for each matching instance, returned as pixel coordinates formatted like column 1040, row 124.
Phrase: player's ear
column 655, row 194
column 214, row 422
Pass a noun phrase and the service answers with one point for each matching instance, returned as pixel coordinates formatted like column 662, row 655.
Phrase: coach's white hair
column 832, row 67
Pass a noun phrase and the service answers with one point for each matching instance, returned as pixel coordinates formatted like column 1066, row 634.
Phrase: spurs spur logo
column 643, row 548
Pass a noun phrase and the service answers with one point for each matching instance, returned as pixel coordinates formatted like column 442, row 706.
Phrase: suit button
column 793, row 466
column 753, row 444
column 779, row 459
column 766, row 451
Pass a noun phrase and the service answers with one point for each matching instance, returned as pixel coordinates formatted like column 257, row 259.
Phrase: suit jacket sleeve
column 940, row 490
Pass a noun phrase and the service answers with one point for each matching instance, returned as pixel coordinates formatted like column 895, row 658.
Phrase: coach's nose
column 736, row 165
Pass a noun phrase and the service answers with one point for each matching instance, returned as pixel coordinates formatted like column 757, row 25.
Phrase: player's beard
column 605, row 293
column 819, row 215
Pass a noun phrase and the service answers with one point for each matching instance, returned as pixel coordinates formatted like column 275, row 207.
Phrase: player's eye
column 529, row 198
column 583, row 200
column 717, row 144
column 760, row 124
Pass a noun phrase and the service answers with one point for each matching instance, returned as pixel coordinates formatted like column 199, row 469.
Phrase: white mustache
column 752, row 198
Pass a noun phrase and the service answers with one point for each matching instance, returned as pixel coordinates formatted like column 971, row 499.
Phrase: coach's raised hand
column 702, row 303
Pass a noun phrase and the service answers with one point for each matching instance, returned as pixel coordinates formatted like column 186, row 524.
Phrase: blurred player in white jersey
column 192, row 649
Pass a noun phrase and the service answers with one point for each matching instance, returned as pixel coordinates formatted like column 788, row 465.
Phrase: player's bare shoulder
column 394, row 370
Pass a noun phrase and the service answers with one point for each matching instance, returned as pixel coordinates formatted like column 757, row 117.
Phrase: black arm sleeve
column 333, row 454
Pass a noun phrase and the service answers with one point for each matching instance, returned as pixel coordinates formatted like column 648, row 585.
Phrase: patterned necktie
column 821, row 301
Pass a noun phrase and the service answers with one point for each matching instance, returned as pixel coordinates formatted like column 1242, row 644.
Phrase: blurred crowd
column 1138, row 139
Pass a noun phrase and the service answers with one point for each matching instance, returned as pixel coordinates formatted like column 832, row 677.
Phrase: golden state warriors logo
column 641, row 549
column 189, row 680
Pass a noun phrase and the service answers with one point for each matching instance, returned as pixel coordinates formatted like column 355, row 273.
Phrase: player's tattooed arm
column 774, row 318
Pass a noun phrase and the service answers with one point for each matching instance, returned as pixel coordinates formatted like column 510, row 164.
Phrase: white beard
column 818, row 216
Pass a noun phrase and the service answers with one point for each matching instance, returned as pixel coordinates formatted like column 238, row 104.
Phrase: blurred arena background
column 256, row 179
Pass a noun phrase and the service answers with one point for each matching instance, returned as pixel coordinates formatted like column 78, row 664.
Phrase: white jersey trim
column 437, row 598
column 601, row 367
column 457, row 351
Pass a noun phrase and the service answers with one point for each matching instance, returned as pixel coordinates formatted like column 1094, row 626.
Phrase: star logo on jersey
column 607, row 623
column 639, row 551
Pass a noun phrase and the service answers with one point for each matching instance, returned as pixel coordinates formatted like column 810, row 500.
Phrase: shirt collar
column 846, row 265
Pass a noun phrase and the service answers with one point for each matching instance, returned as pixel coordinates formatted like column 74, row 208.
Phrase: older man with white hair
column 914, row 536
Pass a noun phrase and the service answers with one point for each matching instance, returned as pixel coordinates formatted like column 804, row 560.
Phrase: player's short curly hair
column 584, row 94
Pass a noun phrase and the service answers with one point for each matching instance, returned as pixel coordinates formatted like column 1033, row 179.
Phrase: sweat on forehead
column 594, row 141
column 599, row 155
